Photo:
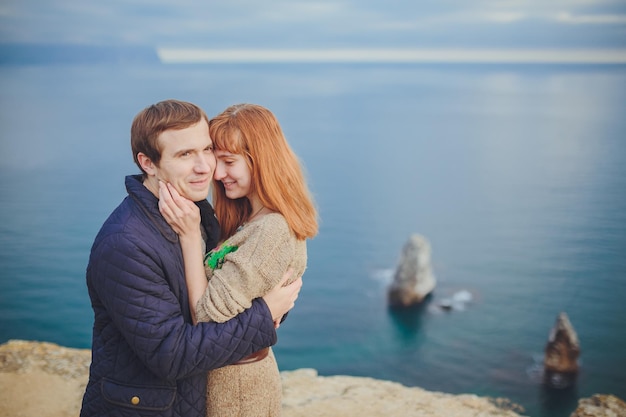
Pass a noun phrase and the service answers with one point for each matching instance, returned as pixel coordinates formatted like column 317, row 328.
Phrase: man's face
column 187, row 160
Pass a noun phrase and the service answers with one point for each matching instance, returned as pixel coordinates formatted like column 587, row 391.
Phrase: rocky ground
column 47, row 380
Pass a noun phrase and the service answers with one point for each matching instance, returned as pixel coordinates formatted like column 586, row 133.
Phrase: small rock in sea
column 413, row 280
column 445, row 304
column 561, row 354
column 457, row 302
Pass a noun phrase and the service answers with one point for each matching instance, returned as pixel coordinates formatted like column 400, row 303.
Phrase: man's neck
column 152, row 184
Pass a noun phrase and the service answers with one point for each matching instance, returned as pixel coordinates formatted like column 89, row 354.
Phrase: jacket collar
column 149, row 205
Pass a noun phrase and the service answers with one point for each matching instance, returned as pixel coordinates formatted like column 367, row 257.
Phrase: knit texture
column 266, row 248
column 250, row 264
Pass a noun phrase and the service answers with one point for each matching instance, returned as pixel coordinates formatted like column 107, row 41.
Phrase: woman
column 266, row 213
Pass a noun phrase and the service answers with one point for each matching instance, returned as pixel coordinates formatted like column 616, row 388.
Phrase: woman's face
column 232, row 171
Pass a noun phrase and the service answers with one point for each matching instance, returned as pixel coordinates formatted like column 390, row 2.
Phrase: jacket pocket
column 147, row 398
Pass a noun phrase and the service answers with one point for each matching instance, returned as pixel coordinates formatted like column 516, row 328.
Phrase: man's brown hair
column 157, row 118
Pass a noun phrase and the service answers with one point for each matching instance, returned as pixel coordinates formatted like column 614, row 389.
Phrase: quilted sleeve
column 129, row 279
column 265, row 250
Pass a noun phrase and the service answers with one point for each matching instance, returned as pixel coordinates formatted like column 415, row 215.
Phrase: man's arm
column 127, row 276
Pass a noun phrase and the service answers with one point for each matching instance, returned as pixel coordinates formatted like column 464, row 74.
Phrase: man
column 147, row 357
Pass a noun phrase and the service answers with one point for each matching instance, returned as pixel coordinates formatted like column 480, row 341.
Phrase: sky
column 193, row 31
column 300, row 24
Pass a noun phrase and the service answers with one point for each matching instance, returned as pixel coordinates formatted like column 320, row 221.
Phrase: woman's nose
column 219, row 172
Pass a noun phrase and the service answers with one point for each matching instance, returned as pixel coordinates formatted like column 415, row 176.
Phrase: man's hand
column 283, row 297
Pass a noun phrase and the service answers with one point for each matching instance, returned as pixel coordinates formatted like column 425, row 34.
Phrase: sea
column 514, row 173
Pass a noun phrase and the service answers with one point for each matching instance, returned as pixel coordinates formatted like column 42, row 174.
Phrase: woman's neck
column 258, row 209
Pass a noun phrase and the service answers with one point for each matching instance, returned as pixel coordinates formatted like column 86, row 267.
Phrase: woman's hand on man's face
column 181, row 213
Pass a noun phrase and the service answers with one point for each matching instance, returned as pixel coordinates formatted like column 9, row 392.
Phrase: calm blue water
column 516, row 175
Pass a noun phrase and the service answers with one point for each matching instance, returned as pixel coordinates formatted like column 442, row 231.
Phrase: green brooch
column 215, row 258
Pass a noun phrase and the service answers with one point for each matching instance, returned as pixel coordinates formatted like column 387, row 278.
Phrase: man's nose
column 203, row 163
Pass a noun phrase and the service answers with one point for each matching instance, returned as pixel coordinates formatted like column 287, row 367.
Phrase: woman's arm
column 256, row 267
column 184, row 217
column 194, row 269
column 264, row 250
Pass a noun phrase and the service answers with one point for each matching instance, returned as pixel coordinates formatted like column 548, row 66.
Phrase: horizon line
column 383, row 55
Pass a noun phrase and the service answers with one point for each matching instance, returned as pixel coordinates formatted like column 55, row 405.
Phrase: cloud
column 504, row 17
column 289, row 23
column 597, row 19
column 291, row 11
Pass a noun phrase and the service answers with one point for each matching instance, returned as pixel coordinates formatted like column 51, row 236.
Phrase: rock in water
column 561, row 354
column 413, row 279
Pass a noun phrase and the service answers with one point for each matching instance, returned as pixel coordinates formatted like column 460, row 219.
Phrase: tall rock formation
column 561, row 354
column 413, row 279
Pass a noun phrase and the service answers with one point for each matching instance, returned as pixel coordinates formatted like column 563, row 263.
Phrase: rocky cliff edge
column 47, row 380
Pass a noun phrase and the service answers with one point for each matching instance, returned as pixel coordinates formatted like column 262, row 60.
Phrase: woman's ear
column 146, row 164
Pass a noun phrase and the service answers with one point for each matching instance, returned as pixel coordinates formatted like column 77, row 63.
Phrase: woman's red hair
column 253, row 131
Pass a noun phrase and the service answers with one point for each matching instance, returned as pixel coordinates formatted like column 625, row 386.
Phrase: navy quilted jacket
column 147, row 357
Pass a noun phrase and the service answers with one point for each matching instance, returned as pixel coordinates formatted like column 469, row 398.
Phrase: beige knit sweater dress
column 247, row 266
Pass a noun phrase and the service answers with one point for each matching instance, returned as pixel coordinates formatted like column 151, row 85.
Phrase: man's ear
column 146, row 163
